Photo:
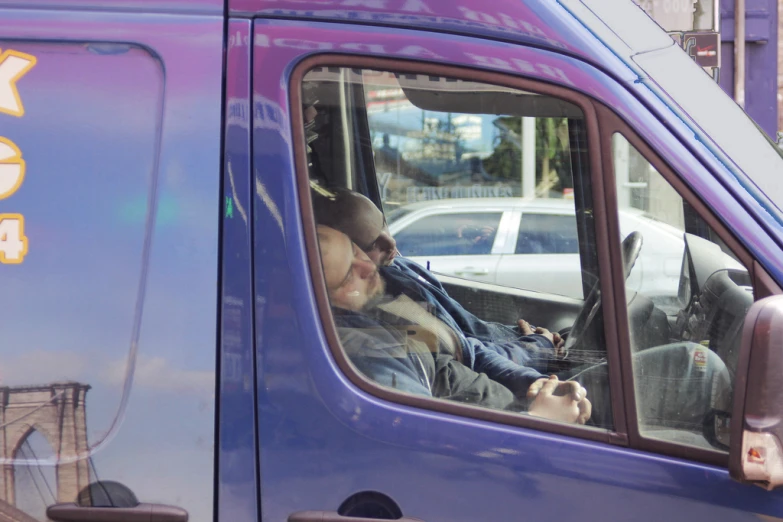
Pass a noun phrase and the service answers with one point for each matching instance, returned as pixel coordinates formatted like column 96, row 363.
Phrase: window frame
column 619, row 435
column 763, row 285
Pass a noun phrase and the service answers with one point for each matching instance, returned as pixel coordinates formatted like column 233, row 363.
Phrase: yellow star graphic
column 13, row 65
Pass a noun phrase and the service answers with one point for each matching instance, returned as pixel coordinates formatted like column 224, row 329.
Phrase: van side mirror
column 756, row 445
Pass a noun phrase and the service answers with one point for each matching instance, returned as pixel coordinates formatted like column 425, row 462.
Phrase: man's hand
column 557, row 341
column 564, row 401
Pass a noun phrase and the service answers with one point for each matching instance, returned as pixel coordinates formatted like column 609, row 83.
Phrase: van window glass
column 453, row 162
column 687, row 300
column 449, row 235
column 494, row 146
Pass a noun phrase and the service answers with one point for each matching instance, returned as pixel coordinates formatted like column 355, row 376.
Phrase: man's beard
column 379, row 293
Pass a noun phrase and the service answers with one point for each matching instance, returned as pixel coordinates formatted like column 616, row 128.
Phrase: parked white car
column 527, row 243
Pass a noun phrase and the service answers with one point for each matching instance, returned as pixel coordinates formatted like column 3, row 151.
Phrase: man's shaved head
column 357, row 217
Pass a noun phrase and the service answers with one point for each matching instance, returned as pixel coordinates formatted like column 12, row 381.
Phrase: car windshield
column 716, row 116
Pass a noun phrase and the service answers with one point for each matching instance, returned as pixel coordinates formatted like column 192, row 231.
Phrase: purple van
column 224, row 328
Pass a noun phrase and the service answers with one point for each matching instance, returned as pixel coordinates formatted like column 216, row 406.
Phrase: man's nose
column 388, row 244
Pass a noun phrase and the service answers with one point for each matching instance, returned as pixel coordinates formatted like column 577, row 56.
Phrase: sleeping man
column 397, row 342
column 356, row 216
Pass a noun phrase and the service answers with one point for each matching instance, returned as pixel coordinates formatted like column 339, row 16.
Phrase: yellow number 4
column 13, row 243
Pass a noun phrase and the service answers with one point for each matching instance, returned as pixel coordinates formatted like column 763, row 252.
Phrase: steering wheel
column 631, row 247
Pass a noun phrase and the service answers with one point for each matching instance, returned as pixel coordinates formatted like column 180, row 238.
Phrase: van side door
column 333, row 441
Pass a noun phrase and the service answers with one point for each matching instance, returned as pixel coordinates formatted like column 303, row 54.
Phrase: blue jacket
column 388, row 357
column 501, row 346
column 381, row 351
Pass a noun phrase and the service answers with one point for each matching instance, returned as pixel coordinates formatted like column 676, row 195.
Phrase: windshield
column 721, row 119
column 717, row 117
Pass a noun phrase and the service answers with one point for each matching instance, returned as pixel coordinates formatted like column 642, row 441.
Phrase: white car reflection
column 527, row 244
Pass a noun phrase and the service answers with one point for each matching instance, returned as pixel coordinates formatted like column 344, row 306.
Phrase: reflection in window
column 443, row 138
column 450, row 235
column 547, row 234
column 685, row 324
column 641, row 187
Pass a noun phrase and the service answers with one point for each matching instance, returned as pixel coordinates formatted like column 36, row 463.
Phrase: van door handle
column 472, row 270
column 333, row 516
column 139, row 513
